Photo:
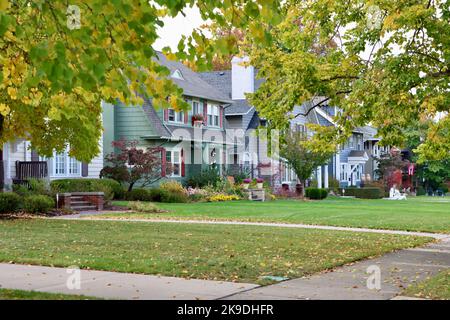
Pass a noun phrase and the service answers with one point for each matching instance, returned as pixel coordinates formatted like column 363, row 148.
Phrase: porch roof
column 357, row 156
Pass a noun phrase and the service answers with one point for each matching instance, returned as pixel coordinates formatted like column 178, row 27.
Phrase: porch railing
column 26, row 170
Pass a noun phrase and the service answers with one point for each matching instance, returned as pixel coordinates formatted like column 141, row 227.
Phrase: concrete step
column 83, row 208
column 76, row 198
column 75, row 203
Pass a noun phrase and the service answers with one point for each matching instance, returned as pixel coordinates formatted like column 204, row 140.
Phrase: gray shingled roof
column 193, row 85
column 156, row 121
column 221, row 80
column 238, row 107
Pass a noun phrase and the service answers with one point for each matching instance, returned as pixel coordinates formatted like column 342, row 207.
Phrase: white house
column 19, row 162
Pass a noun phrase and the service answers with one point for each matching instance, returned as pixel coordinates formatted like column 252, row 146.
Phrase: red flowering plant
column 131, row 164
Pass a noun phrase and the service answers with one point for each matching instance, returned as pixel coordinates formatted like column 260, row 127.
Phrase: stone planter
column 259, row 185
column 198, row 124
column 246, row 186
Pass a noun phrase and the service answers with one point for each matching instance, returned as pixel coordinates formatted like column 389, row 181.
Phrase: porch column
column 326, row 184
column 338, row 167
column 319, row 177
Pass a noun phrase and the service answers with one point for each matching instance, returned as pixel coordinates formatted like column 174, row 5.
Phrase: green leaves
column 386, row 74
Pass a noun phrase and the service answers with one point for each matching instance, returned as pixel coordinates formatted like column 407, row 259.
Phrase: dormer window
column 177, row 75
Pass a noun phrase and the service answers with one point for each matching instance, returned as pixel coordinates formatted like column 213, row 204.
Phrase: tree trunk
column 130, row 187
column 303, row 183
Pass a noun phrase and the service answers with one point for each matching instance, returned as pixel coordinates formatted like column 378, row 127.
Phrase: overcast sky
column 173, row 29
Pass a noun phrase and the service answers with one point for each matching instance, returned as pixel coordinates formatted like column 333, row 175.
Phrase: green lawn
column 219, row 252
column 415, row 214
column 7, row 294
column 436, row 288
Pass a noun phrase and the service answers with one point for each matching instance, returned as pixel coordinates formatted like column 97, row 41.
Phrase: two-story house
column 188, row 148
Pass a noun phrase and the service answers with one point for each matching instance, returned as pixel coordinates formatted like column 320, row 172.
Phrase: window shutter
column 166, row 115
column 163, row 162
column 84, row 169
column 34, row 155
column 183, row 165
column 205, row 112
column 221, row 116
column 186, row 116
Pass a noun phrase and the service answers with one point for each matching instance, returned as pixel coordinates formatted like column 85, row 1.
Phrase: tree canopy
column 302, row 158
column 389, row 67
column 59, row 62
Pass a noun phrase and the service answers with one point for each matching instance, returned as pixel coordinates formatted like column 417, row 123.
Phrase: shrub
column 333, row 185
column 111, row 188
column 138, row 195
column 365, row 193
column 316, row 193
column 173, row 197
column 196, row 197
column 173, row 192
column 145, row 207
column 9, row 202
column 172, row 186
column 38, row 204
column 444, row 188
column 157, row 194
column 205, row 178
column 34, row 187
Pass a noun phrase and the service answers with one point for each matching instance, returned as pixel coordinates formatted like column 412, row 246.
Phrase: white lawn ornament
column 394, row 194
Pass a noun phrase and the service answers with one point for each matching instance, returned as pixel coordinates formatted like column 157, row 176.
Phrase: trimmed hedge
column 316, row 193
column 111, row 188
column 9, row 202
column 138, row 195
column 38, row 204
column 365, row 193
column 156, row 195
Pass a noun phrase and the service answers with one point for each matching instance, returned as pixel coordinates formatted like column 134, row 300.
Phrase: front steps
column 81, row 201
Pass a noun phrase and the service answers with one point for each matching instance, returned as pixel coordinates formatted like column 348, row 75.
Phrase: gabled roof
column 192, row 84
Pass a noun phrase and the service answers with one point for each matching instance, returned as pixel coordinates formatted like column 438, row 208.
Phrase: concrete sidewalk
column 398, row 270
column 113, row 285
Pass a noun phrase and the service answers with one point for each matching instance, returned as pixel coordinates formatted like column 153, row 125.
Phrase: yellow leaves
column 4, row 5
column 4, row 109
column 12, row 92
column 34, row 97
column 54, row 114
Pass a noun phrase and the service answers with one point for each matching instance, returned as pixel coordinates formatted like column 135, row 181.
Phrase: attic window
column 177, row 75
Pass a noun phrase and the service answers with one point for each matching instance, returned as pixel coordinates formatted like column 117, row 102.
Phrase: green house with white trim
column 188, row 146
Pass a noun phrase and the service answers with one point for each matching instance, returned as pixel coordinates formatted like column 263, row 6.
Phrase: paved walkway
column 398, row 270
column 97, row 217
column 114, row 285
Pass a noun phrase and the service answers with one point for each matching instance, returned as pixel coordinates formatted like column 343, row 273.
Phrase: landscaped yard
column 234, row 253
column 6, row 294
column 437, row 288
column 415, row 214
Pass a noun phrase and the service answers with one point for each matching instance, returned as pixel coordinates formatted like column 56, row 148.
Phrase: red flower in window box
column 197, row 118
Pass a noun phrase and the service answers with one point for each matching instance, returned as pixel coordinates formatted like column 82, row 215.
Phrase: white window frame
column 171, row 152
column 67, row 163
column 198, row 105
column 176, row 115
column 213, row 112
column 177, row 74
